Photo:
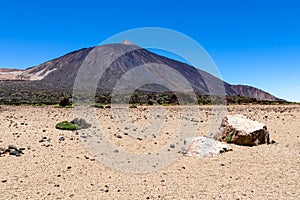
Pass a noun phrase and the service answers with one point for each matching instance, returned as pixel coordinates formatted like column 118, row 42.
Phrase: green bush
column 68, row 106
column 133, row 106
column 65, row 125
column 99, row 105
column 57, row 106
column 65, row 102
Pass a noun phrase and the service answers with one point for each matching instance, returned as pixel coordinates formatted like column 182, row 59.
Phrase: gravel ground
column 56, row 164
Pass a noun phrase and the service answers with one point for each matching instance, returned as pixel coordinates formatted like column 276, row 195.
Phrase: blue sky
column 252, row 42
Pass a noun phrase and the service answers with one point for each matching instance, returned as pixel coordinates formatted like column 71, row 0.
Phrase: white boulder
column 238, row 129
column 203, row 146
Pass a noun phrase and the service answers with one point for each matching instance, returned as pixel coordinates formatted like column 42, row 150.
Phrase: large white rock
column 238, row 129
column 203, row 146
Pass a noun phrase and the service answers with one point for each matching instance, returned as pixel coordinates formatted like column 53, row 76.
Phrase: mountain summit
column 127, row 42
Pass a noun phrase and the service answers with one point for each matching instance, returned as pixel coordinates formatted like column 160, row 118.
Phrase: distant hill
column 252, row 92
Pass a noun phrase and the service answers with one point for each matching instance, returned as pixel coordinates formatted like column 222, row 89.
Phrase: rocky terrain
column 249, row 91
column 9, row 74
column 56, row 164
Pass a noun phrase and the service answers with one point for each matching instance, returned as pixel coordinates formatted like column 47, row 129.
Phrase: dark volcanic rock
column 12, row 150
column 81, row 123
column 12, row 147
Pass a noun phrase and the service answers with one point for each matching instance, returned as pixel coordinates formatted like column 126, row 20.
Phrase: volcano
column 57, row 76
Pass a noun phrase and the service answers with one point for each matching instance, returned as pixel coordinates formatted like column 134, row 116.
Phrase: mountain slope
column 58, row 75
column 252, row 92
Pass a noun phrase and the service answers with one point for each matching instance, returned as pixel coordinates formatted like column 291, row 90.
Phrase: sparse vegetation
column 228, row 138
column 97, row 105
column 65, row 102
column 133, row 106
column 65, row 125
column 34, row 95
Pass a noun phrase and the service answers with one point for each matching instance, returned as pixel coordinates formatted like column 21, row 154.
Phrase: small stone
column 81, row 123
column 172, row 146
column 14, row 152
column 12, row 147
column 69, row 167
column 222, row 164
column 273, row 142
column 4, row 181
column 61, row 138
column 106, row 188
column 118, row 136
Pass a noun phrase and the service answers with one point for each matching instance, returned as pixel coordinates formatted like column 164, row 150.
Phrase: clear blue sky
column 253, row 42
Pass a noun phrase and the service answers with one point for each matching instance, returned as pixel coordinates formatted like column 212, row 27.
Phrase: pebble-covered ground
column 40, row 162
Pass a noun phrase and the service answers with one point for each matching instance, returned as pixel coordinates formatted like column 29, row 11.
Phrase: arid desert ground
column 57, row 165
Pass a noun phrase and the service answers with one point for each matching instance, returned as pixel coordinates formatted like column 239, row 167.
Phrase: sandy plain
column 51, row 168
